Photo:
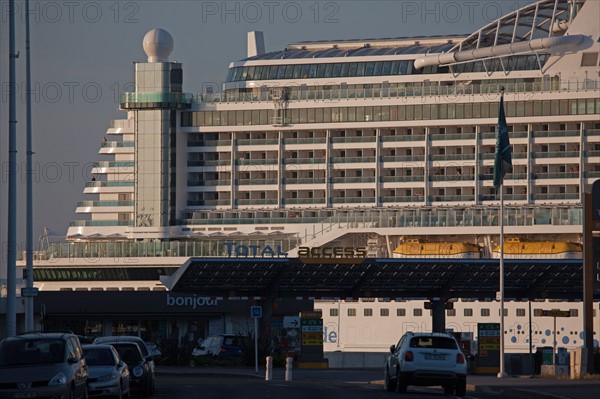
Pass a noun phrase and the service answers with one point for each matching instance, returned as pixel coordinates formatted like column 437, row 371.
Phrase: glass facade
column 378, row 68
column 395, row 113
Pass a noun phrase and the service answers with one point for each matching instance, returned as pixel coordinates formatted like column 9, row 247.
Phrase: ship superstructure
column 360, row 141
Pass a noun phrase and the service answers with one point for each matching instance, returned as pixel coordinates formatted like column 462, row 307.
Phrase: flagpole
column 502, row 164
column 502, row 373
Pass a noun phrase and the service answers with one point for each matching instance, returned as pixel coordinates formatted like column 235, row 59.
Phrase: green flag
column 503, row 162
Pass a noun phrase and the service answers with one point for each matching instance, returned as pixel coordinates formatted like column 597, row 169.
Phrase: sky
column 82, row 56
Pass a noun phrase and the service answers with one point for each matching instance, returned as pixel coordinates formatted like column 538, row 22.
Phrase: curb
column 527, row 393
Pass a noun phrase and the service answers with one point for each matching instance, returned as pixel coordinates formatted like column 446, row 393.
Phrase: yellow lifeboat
column 416, row 248
column 515, row 248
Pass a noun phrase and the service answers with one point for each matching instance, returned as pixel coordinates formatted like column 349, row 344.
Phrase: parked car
column 141, row 380
column 42, row 365
column 426, row 359
column 220, row 346
column 108, row 374
column 140, row 342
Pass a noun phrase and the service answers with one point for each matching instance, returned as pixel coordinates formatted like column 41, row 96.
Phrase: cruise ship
column 372, row 144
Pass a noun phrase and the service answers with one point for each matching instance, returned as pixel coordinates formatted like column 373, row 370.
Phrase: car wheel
column 461, row 387
column 449, row 389
column 390, row 385
column 401, row 383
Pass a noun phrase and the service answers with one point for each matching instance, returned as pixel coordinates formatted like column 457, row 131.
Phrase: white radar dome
column 158, row 45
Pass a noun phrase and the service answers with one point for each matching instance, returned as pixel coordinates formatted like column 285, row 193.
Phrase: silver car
column 108, row 374
column 148, row 358
column 49, row 365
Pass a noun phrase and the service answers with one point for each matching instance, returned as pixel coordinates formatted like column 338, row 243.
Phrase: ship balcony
column 402, row 179
column 556, row 154
column 256, row 142
column 340, row 160
column 256, row 162
column 591, row 174
column 509, row 176
column 208, row 183
column 256, row 182
column 511, row 135
column 452, row 157
column 555, row 133
column 313, row 140
column 492, row 155
column 209, row 143
column 413, row 137
column 310, row 181
column 108, row 187
column 305, row 201
column 592, row 134
column 364, row 179
column 211, row 203
column 105, row 207
column 403, row 158
column 121, row 126
column 359, row 139
column 560, row 175
column 113, row 167
column 451, row 198
column 555, row 196
column 353, row 200
column 215, row 162
column 507, row 197
column 452, row 178
column 591, row 154
column 100, row 223
column 452, row 136
column 306, row 161
column 402, row 199
column 117, row 147
column 256, row 202
column 156, row 100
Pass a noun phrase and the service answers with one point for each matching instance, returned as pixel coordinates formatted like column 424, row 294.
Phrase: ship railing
column 334, row 93
column 344, row 220
column 92, row 250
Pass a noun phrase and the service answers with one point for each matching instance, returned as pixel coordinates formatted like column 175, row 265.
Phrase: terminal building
column 339, row 151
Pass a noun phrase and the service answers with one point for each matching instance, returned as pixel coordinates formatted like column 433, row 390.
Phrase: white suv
column 426, row 359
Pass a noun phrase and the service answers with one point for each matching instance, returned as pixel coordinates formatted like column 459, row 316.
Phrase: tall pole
column 11, row 256
column 502, row 373
column 29, row 213
column 256, row 345
column 531, row 362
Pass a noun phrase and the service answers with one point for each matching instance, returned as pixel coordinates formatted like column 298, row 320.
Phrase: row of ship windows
column 391, row 113
column 377, row 68
column 467, row 312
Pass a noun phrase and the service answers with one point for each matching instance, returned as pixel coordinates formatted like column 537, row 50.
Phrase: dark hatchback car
column 141, row 379
column 42, row 365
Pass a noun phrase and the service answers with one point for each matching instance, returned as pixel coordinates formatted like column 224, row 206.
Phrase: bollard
column 288, row 368
column 269, row 371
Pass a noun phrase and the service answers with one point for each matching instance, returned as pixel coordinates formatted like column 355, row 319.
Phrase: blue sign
column 256, row 312
column 29, row 292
